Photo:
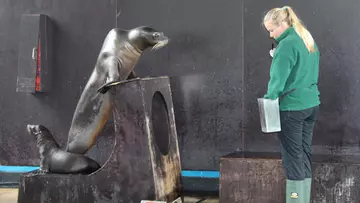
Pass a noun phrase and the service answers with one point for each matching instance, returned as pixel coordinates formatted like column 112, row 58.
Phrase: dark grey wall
column 218, row 62
column 335, row 27
column 205, row 61
column 79, row 29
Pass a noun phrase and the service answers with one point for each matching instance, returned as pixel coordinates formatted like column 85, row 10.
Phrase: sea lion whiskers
column 160, row 44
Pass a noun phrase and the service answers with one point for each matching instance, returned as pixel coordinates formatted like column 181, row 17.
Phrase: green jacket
column 293, row 66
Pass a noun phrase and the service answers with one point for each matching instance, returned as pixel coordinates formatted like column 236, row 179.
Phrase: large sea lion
column 119, row 54
column 55, row 160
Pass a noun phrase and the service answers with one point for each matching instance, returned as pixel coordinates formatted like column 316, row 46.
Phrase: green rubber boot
column 307, row 190
column 294, row 191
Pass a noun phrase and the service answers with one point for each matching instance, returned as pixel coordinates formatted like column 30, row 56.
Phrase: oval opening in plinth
column 160, row 123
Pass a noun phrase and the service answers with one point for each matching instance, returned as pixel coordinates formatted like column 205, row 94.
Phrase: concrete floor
column 10, row 196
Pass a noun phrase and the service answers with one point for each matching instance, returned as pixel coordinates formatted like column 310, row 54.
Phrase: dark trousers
column 296, row 140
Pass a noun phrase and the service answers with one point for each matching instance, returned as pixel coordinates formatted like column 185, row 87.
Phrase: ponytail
column 300, row 29
column 287, row 14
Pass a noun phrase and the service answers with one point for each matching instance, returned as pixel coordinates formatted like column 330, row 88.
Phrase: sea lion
column 119, row 54
column 55, row 160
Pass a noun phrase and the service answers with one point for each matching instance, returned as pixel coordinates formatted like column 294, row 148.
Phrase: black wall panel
column 204, row 60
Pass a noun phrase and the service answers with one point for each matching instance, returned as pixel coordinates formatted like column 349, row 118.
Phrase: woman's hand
column 272, row 51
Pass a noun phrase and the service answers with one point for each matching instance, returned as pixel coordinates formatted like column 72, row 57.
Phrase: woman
column 293, row 79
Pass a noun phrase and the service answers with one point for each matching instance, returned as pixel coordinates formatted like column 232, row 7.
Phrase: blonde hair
column 287, row 14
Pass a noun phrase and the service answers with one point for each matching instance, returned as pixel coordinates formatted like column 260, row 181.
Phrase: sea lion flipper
column 104, row 88
column 114, row 67
column 132, row 75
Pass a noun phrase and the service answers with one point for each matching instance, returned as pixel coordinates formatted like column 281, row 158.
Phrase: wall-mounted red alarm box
column 35, row 54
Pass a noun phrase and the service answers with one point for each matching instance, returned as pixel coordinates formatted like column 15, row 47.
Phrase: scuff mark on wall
column 343, row 190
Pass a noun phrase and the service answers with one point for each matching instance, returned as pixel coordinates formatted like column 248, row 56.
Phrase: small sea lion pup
column 119, row 54
column 55, row 160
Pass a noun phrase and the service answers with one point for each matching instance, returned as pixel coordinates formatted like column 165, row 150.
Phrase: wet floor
column 10, row 196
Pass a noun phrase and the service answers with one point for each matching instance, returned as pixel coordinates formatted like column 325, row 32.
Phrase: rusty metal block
column 255, row 177
column 247, row 177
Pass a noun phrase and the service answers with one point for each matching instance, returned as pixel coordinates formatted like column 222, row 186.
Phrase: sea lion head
column 43, row 136
column 35, row 129
column 144, row 37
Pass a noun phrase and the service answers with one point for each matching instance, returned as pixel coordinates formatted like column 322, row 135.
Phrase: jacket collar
column 286, row 33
